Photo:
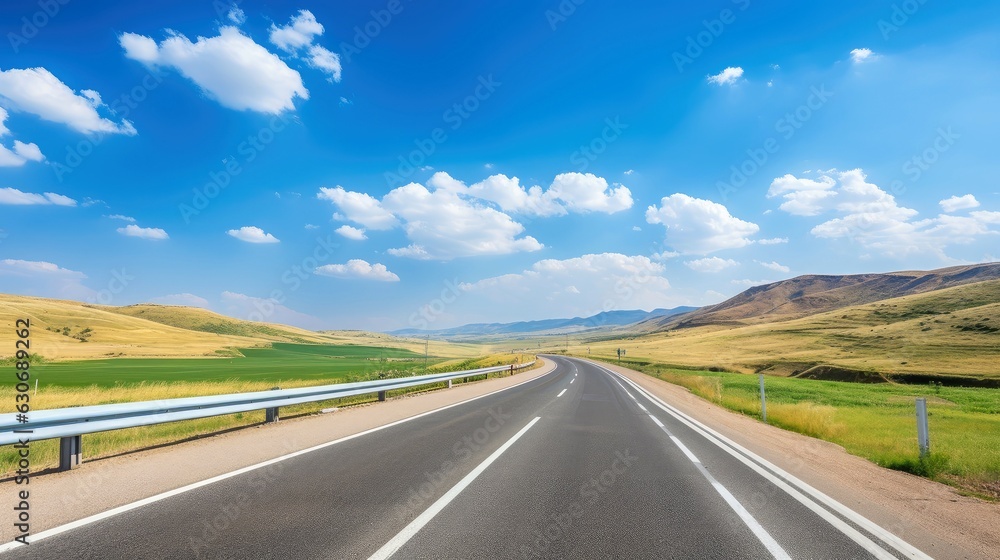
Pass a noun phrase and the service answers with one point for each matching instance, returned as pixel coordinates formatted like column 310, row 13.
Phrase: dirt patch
column 838, row 373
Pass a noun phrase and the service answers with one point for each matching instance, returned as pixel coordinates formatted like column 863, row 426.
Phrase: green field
column 283, row 361
column 875, row 421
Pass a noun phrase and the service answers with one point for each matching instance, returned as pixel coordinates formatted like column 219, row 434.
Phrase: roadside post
column 923, row 433
column 763, row 399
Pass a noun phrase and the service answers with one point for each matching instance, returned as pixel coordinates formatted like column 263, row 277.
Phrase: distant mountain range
column 807, row 295
column 550, row 326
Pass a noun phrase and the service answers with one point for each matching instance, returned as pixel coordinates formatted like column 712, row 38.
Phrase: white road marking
column 684, row 448
column 642, row 407
column 561, row 393
column 572, row 380
column 193, row 486
column 758, row 463
column 417, row 524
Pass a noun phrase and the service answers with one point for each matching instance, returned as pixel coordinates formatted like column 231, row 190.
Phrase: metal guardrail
column 69, row 424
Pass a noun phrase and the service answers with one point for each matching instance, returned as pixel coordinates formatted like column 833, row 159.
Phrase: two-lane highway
column 578, row 463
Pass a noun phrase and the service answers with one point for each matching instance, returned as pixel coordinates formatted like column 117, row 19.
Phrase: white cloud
column 359, row 207
column 21, row 154
column 37, row 91
column 299, row 35
column 252, row 234
column 128, row 219
column 311, row 226
column 16, row 197
column 697, row 226
column 299, row 32
column 872, row 218
column 602, row 282
column 710, row 264
column 629, row 171
column 956, row 203
column 45, row 279
column 773, row 265
column 443, row 226
column 266, row 310
column 588, row 193
column 133, row 230
column 359, row 269
column 186, row 299
column 230, row 68
column 773, row 241
column 352, row 233
column 575, row 192
column 862, row 55
column 636, row 228
column 728, row 76
column 803, row 197
column 236, row 15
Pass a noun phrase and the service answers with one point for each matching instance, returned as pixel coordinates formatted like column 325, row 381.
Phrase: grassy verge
column 875, row 421
column 45, row 454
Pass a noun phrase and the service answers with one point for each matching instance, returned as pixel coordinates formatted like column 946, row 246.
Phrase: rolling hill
column 811, row 294
column 71, row 330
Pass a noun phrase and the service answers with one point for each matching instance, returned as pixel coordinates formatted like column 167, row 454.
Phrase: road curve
column 578, row 463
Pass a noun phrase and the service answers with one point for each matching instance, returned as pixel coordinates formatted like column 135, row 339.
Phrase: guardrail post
column 381, row 396
column 512, row 369
column 449, row 383
column 70, row 453
column 271, row 414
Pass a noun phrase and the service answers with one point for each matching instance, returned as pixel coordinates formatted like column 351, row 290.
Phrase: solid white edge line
column 561, row 393
column 195, row 485
column 748, row 459
column 684, row 448
column 401, row 538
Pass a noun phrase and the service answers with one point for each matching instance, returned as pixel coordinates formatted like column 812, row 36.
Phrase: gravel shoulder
column 931, row 516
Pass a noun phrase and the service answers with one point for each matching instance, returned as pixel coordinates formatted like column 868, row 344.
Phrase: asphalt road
column 578, row 463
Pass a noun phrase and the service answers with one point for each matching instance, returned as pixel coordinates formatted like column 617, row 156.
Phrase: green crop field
column 875, row 421
column 283, row 361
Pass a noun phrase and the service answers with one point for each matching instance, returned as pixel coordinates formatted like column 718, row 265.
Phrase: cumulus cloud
column 128, row 219
column 186, row 299
column 871, row 217
column 358, row 269
column 859, row 56
column 230, row 68
column 359, row 207
column 299, row 36
column 601, row 282
column 956, row 203
column 252, row 234
column 21, row 153
column 39, row 92
column 351, row 233
column 442, row 225
column 16, row 197
column 773, row 241
column 710, row 264
column 236, row 15
column 585, row 192
column 728, row 76
column 133, row 230
column 773, row 265
column 697, row 226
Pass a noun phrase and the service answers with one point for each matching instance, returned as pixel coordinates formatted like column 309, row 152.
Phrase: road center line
column 421, row 520
column 561, row 393
column 572, row 380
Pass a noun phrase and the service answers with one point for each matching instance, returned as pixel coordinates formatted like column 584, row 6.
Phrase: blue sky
column 395, row 164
